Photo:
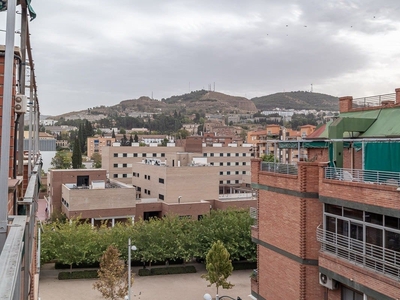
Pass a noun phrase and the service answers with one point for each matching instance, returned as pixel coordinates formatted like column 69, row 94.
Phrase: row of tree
column 169, row 238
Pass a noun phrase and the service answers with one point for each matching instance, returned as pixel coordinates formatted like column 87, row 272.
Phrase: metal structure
column 376, row 258
column 18, row 247
column 290, row 169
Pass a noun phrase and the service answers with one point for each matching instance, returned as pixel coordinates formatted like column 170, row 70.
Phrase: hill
column 297, row 100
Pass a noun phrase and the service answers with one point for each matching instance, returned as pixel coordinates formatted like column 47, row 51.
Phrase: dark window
column 237, row 172
column 373, row 218
column 161, row 180
column 236, row 163
column 221, row 173
column 228, row 181
column 82, row 180
column 236, row 181
column 115, row 154
column 124, row 165
column 124, row 155
column 162, row 154
column 148, row 177
column 333, row 209
column 134, row 154
column 243, row 154
column 228, row 172
column 221, row 182
column 221, row 164
column 211, row 163
column 236, row 154
column 115, row 165
column 228, row 163
column 205, row 154
column 243, row 172
column 211, row 154
column 353, row 213
column 115, row 175
column 139, row 189
column 221, row 154
column 228, row 154
column 124, row 175
column 392, row 222
column 154, row 154
column 244, row 163
column 161, row 197
column 144, row 155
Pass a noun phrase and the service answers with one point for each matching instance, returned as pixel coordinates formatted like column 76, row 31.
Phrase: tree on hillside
column 77, row 155
column 61, row 160
column 113, row 276
column 219, row 266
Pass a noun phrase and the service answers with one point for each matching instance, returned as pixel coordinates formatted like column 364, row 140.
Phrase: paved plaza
column 161, row 287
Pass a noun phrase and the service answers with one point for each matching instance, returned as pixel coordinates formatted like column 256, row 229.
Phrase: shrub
column 244, row 265
column 78, row 274
column 80, row 266
column 167, row 270
column 144, row 272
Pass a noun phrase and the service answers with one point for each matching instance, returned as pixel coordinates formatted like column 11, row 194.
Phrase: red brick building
column 329, row 228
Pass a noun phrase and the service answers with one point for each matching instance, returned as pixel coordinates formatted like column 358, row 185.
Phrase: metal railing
column 364, row 176
column 376, row 258
column 374, row 100
column 17, row 255
column 290, row 169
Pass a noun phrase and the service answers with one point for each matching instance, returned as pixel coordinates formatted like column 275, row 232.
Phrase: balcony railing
column 374, row 100
column 290, row 169
column 373, row 257
column 364, row 176
column 17, row 253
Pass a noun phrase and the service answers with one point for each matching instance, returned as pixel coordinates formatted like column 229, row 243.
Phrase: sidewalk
column 165, row 287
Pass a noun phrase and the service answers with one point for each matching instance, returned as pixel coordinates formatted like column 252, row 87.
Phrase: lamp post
column 208, row 297
column 130, row 247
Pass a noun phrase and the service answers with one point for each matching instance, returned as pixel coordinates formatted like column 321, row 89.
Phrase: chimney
column 345, row 104
column 398, row 96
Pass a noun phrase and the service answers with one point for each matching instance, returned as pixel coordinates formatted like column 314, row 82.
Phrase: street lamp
column 130, row 247
column 208, row 297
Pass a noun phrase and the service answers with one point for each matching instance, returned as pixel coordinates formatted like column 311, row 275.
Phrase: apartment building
column 329, row 228
column 95, row 144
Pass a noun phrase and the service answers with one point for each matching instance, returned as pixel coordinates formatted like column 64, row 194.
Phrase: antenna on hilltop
column 311, row 88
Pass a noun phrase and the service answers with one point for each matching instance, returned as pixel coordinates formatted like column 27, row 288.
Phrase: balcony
column 17, row 263
column 372, row 257
column 363, row 176
column 289, row 169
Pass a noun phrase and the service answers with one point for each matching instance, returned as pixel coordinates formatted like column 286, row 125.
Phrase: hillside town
column 290, row 195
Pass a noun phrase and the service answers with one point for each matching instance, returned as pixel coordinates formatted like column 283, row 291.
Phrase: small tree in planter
column 219, row 266
column 113, row 276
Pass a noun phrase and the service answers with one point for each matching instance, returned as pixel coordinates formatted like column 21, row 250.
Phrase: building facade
column 329, row 228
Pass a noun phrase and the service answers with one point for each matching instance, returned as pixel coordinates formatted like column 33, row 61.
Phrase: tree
column 61, row 160
column 136, row 138
column 219, row 266
column 77, row 155
column 96, row 157
column 268, row 158
column 113, row 134
column 113, row 276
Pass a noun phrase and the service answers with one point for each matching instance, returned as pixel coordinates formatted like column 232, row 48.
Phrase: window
column 237, row 172
column 244, row 163
column 154, row 154
column 228, row 172
column 221, row 182
column 115, row 154
column 204, row 154
column 134, row 154
column 236, row 154
column 236, row 163
column 348, row 294
column 228, row 154
column 211, row 163
column 139, row 189
column 145, row 176
column 236, row 181
column 144, row 155
column 162, row 154
column 115, row 165
column 243, row 154
column 228, row 181
column 211, row 154
column 124, row 155
column 124, row 175
column 243, row 172
column 115, row 175
column 221, row 163
column 148, row 177
column 161, row 197
column 221, row 154
column 228, row 163
column 221, row 173
column 124, row 165
column 160, row 180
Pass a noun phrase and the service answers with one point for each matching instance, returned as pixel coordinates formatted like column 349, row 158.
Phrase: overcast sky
column 91, row 53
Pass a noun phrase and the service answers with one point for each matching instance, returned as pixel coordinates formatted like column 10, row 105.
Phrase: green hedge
column 244, row 265
column 58, row 265
column 167, row 270
column 78, row 274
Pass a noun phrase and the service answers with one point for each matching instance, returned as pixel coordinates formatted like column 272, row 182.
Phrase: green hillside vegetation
column 297, row 100
column 190, row 97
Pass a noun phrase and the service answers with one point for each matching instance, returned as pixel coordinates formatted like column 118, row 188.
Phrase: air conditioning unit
column 21, row 103
column 327, row 282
